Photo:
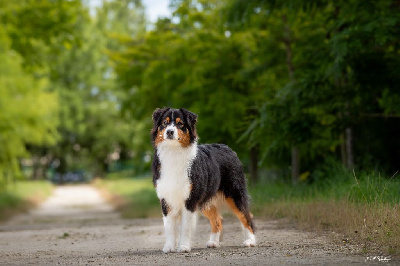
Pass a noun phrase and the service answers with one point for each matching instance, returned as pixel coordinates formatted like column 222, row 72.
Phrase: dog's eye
column 165, row 123
column 180, row 124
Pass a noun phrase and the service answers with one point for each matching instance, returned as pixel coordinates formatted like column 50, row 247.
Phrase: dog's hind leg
column 240, row 208
column 216, row 226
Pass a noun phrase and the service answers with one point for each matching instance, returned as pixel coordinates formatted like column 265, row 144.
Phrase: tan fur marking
column 183, row 138
column 238, row 213
column 160, row 137
column 215, row 219
column 217, row 200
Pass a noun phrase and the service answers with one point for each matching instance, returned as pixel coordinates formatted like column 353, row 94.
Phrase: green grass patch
column 364, row 209
column 21, row 196
column 134, row 197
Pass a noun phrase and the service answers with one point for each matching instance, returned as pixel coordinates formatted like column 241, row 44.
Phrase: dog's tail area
column 240, row 208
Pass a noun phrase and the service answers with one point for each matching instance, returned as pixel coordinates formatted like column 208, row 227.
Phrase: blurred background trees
column 292, row 86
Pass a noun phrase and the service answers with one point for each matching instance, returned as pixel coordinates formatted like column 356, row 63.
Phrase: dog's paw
column 169, row 248
column 249, row 243
column 184, row 249
column 213, row 244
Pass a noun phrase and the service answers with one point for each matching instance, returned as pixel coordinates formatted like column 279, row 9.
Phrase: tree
column 364, row 40
column 92, row 126
column 60, row 43
column 198, row 68
column 320, row 101
column 28, row 112
column 290, row 40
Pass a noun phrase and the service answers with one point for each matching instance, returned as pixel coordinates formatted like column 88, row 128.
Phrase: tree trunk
column 62, row 169
column 349, row 138
column 295, row 165
column 349, row 148
column 253, row 165
column 35, row 168
column 343, row 149
column 289, row 62
column 288, row 48
column 102, row 172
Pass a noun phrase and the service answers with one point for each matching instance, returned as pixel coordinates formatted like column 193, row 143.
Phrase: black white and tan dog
column 189, row 177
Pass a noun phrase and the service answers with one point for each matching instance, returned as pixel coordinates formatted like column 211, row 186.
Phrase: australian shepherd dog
column 189, row 177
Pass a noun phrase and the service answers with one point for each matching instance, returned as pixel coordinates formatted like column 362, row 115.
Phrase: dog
column 189, row 177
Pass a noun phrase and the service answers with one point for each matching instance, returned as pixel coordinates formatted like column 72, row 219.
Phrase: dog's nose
column 170, row 134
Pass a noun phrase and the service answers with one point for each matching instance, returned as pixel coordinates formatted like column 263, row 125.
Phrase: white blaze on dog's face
column 174, row 127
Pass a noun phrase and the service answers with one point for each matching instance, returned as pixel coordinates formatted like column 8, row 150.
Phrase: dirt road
column 76, row 227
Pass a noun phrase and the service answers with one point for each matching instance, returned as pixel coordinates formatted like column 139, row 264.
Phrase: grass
column 21, row 196
column 362, row 210
column 133, row 197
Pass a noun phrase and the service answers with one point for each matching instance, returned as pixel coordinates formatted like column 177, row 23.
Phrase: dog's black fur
column 216, row 167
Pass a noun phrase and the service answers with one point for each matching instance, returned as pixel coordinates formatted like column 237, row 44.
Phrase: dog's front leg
column 170, row 229
column 187, row 228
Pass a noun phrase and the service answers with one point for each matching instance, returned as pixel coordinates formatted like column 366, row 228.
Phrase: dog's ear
column 191, row 117
column 157, row 114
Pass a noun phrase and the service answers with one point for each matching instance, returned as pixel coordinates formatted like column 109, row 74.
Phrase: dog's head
column 174, row 126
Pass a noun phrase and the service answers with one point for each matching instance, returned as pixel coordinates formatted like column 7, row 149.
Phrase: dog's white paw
column 184, row 249
column 213, row 244
column 249, row 243
column 169, row 248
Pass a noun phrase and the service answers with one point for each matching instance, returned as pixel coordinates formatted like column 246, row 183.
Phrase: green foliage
column 264, row 76
column 27, row 112
column 92, row 126
column 33, row 34
column 271, row 75
column 337, row 61
column 335, row 183
column 198, row 68
column 22, row 195
column 57, row 49
column 41, row 29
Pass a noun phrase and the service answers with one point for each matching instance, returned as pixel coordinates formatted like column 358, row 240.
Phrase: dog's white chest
column 174, row 183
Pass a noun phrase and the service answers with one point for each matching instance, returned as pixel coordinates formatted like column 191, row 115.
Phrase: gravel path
column 76, row 227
